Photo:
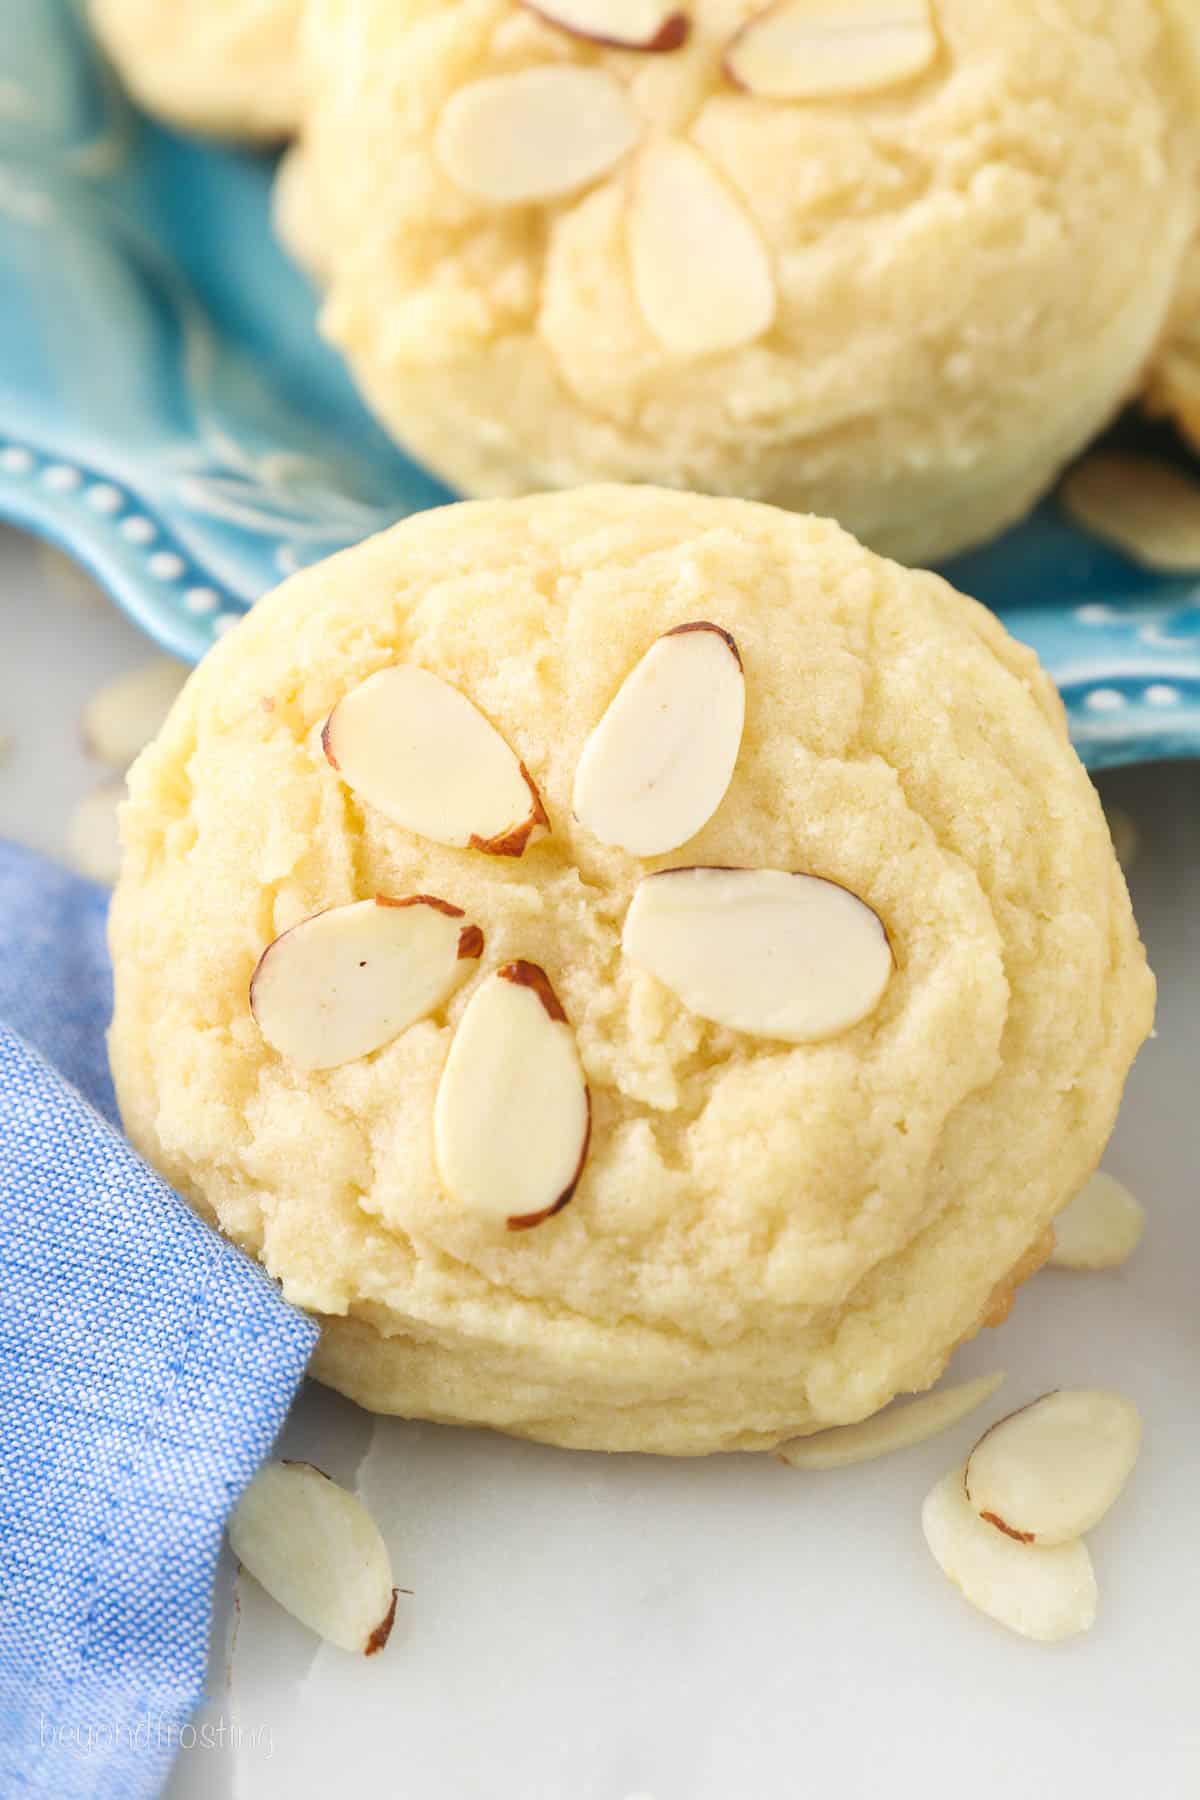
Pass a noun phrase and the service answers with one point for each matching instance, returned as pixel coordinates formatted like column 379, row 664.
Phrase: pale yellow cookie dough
column 230, row 67
column 1173, row 380
column 946, row 285
column 766, row 1238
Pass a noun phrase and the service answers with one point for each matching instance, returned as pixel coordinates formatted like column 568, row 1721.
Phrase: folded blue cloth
column 145, row 1369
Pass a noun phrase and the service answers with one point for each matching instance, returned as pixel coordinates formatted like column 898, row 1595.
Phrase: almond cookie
column 230, row 67
column 891, row 264
column 643, row 969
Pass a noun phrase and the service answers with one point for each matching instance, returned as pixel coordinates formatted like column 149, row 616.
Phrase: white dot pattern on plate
column 1163, row 640
column 1105, row 700
column 1161, row 693
column 61, row 478
column 1095, row 613
column 105, row 500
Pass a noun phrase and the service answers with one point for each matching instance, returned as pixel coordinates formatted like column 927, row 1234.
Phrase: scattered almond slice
column 1124, row 834
column 1100, row 1228
column 536, row 135
column 1043, row 1594
column 1048, row 1473
column 760, row 950
column 128, row 712
column 347, row 981
column 819, row 49
column 656, row 767
column 512, row 1117
column 624, row 24
column 93, row 838
column 701, row 273
column 419, row 751
column 895, row 1428
column 1148, row 509
column 318, row 1553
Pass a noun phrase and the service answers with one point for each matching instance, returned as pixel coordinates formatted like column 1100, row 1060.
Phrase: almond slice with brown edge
column 656, row 767
column 760, row 950
column 1043, row 1594
column 512, row 1117
column 623, row 24
column 536, row 135
column 895, row 1428
column 347, row 981
column 318, row 1553
column 1048, row 1473
column 422, row 754
column 701, row 272
column 820, row 49
column 1100, row 1228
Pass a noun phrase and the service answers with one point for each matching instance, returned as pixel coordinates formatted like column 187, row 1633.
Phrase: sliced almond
column 93, row 837
column 656, row 767
column 536, row 135
column 347, row 981
column 701, row 272
column 1048, row 1473
column 1100, row 1228
column 419, row 751
column 819, row 49
column 761, row 950
column 126, row 713
column 895, row 1428
column 513, row 1116
column 1044, row 1594
column 1124, row 834
column 625, row 24
column 1148, row 509
column 318, row 1553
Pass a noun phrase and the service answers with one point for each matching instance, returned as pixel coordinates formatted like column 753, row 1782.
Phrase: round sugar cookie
column 894, row 265
column 230, row 67
column 753, row 981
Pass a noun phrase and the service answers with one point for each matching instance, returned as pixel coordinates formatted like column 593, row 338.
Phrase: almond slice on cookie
column 512, row 1119
column 345, row 982
column 657, row 25
column 764, row 951
column 702, row 275
column 536, row 135
column 421, row 753
column 825, row 49
column 656, row 767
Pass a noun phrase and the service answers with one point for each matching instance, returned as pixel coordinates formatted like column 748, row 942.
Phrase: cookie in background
column 229, row 67
column 900, row 286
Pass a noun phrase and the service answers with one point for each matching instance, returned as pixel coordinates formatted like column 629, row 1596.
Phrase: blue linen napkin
column 145, row 1369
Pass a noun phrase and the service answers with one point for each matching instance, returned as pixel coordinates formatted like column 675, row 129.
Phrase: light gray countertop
column 592, row 1628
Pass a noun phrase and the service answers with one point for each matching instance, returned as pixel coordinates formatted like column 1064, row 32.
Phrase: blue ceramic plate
column 168, row 414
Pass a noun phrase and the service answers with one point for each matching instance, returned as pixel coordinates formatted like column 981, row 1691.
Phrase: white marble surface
column 591, row 1628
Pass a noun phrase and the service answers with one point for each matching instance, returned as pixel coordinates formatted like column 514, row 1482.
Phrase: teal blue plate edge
column 170, row 417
